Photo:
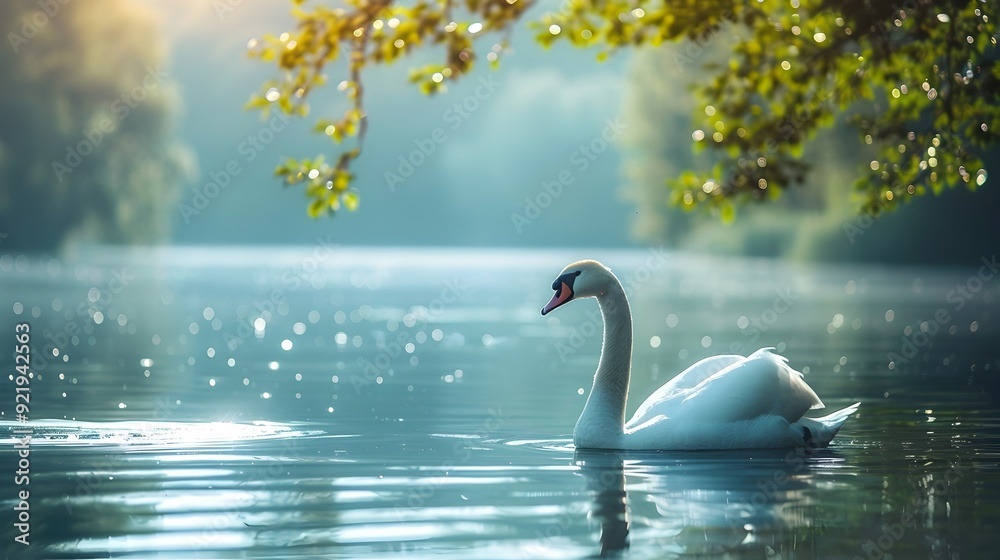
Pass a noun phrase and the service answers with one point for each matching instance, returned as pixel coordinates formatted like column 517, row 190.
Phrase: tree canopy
column 919, row 80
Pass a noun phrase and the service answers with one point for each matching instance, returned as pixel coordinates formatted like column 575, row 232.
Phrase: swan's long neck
column 602, row 421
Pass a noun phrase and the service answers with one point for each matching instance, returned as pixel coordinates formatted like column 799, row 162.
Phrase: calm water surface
column 308, row 402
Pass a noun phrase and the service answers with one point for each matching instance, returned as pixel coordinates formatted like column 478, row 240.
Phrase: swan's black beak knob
column 564, row 291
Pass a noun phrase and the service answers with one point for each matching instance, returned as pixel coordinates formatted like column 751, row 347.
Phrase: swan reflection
column 605, row 478
column 731, row 503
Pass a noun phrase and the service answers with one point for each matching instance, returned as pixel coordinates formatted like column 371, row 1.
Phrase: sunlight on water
column 135, row 433
column 565, row 445
column 269, row 403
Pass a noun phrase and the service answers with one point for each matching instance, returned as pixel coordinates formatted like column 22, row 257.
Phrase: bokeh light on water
column 204, row 404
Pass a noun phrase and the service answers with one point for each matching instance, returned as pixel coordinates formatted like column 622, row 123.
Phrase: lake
column 299, row 402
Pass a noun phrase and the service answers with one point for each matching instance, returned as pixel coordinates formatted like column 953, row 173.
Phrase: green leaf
column 351, row 200
column 317, row 208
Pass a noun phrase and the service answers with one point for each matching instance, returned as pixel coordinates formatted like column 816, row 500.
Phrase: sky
column 541, row 116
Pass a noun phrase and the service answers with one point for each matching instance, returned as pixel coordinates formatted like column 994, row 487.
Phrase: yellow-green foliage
column 919, row 78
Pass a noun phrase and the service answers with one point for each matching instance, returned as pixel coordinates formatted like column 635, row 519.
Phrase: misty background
column 153, row 93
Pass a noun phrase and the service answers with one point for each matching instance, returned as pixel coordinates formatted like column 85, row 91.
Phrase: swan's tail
column 820, row 431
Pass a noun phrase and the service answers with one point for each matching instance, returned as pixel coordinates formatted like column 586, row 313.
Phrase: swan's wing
column 761, row 384
column 672, row 392
column 702, row 370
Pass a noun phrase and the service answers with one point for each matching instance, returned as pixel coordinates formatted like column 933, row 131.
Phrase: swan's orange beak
column 562, row 295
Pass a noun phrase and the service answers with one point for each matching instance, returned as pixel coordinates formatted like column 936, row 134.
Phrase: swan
column 721, row 402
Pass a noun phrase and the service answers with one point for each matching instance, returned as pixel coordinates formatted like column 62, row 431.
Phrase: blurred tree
column 819, row 223
column 86, row 146
column 919, row 79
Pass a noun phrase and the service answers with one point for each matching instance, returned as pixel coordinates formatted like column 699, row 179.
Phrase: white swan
column 721, row 402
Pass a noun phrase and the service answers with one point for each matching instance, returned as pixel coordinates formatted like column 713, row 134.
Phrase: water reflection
column 733, row 503
column 605, row 477
column 190, row 489
column 383, row 427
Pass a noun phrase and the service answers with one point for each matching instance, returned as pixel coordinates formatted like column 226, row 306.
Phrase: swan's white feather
column 680, row 386
column 746, row 388
column 721, row 402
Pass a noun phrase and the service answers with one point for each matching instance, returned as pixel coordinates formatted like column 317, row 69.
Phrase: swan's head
column 581, row 279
